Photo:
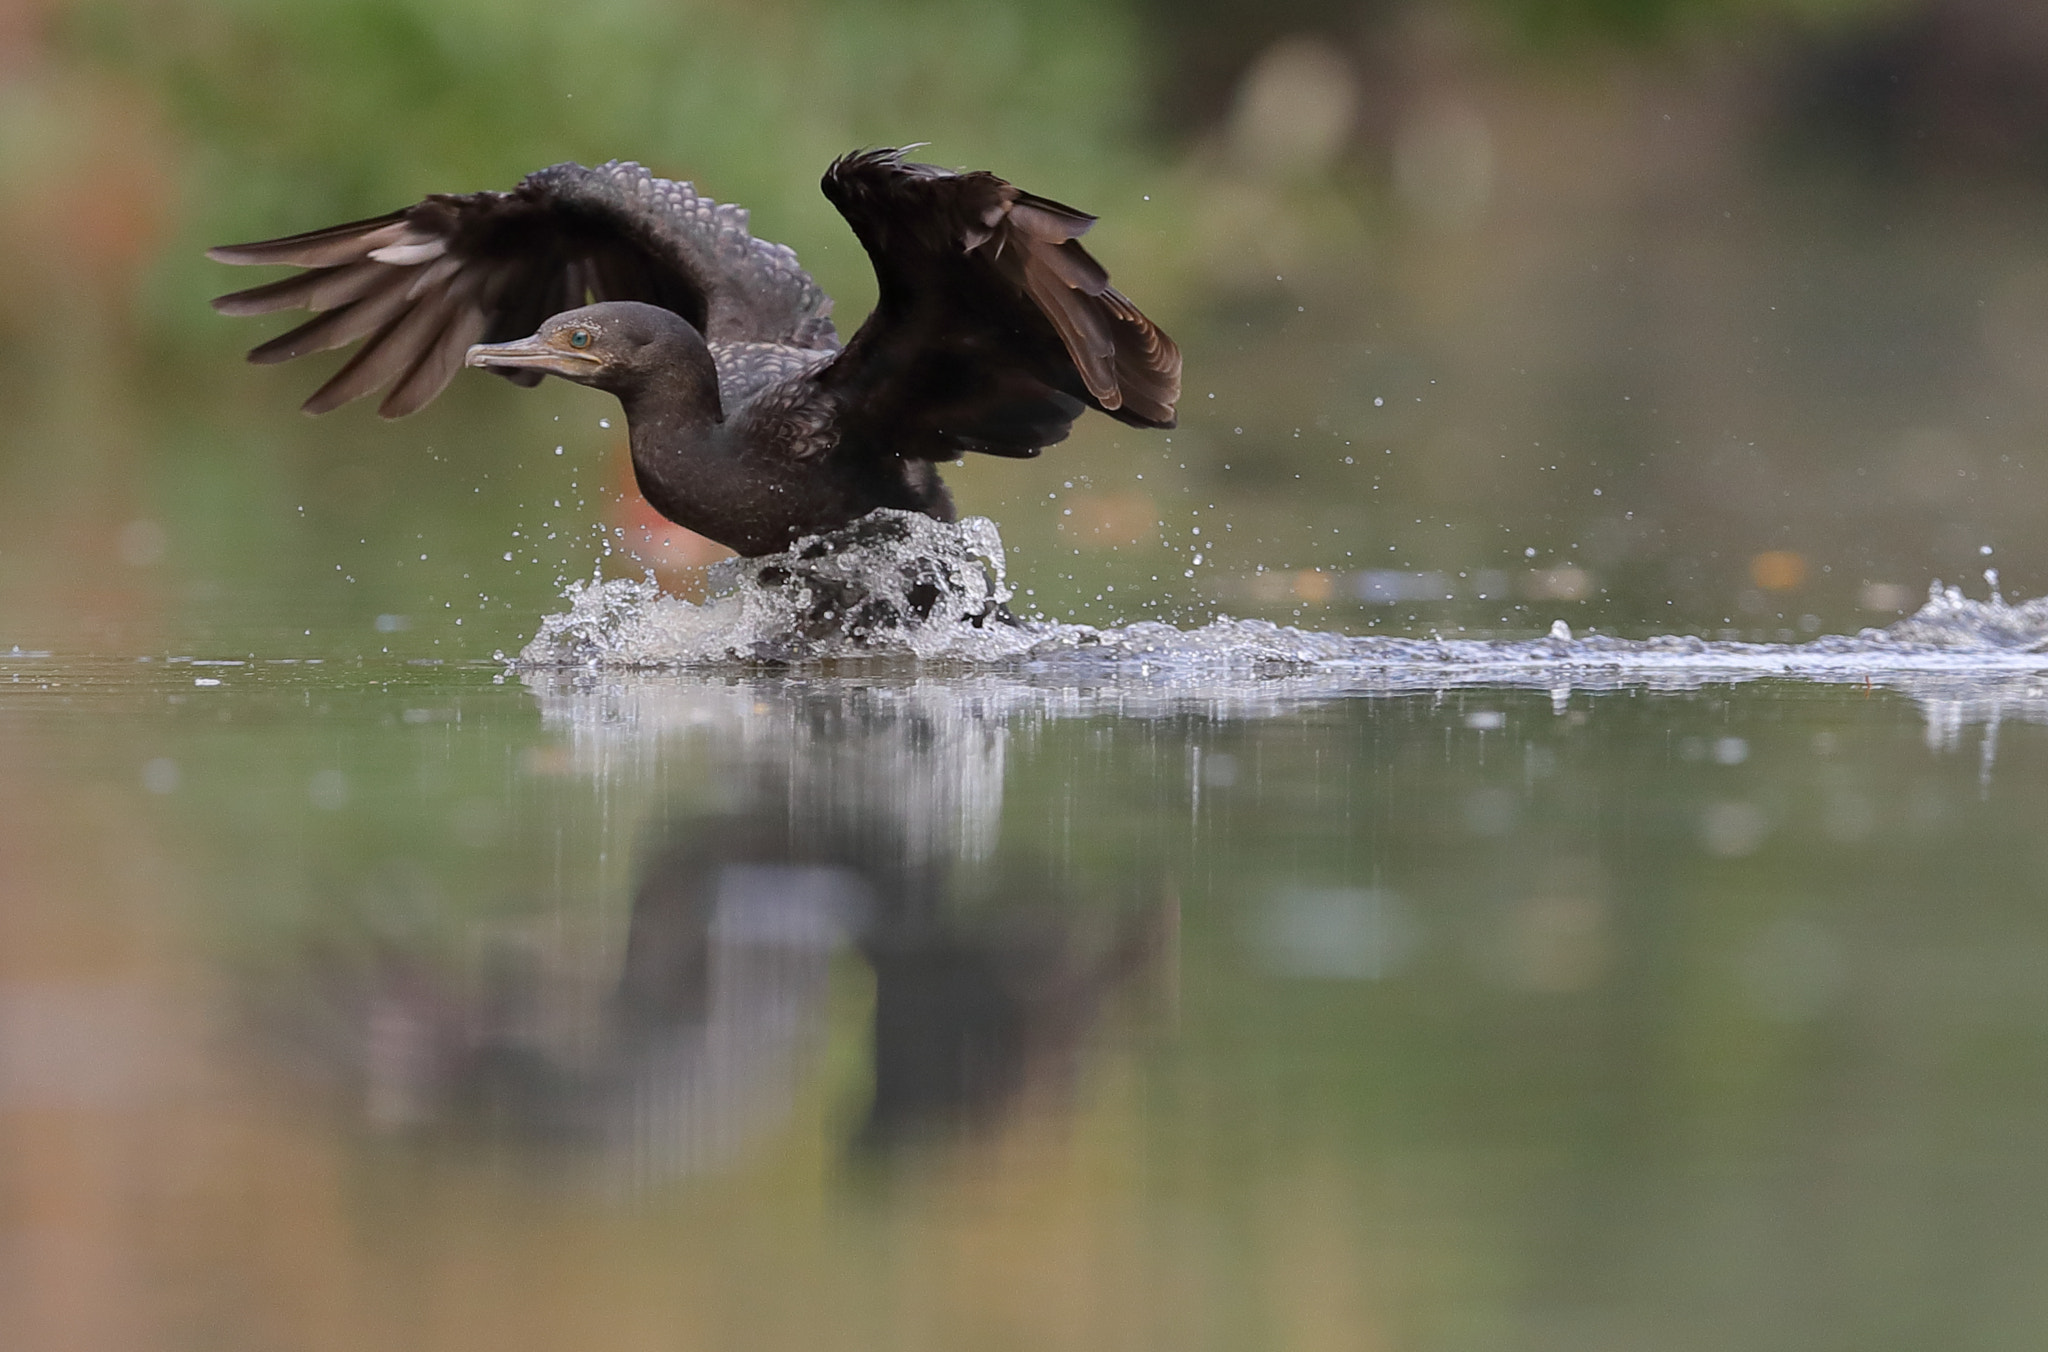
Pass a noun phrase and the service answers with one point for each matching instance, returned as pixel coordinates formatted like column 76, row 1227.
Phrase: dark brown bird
column 750, row 424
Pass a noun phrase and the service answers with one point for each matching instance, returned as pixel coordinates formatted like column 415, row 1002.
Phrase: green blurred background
column 1725, row 316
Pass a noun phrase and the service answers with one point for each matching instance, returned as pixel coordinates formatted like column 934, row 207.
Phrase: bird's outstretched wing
column 422, row 284
column 993, row 328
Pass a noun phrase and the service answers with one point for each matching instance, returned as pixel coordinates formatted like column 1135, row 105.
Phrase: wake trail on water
column 897, row 585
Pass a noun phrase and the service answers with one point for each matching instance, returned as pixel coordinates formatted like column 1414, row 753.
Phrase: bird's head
column 621, row 346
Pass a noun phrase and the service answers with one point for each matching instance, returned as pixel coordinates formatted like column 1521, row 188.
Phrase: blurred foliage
column 312, row 113
column 1557, row 23
column 1489, row 288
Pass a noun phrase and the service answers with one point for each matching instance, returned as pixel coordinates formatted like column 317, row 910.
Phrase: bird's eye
column 580, row 338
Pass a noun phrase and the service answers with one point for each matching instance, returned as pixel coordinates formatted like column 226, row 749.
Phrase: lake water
column 383, row 1003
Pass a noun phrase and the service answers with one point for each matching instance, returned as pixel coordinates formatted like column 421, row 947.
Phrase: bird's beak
column 534, row 353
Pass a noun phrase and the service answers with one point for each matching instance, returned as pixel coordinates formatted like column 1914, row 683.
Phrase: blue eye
column 580, row 338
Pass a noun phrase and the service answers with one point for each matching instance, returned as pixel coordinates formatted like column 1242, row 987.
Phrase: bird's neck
column 671, row 399
column 674, row 416
column 674, row 424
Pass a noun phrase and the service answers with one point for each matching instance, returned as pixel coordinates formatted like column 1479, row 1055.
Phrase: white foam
column 902, row 586
column 893, row 584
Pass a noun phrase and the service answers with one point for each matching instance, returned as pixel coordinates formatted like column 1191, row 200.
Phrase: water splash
column 896, row 585
column 1952, row 620
column 893, row 584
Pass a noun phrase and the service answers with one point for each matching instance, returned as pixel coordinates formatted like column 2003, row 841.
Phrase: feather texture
column 994, row 328
column 493, row 265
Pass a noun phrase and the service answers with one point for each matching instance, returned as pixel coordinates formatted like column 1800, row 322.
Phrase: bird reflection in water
column 987, row 981
column 726, row 968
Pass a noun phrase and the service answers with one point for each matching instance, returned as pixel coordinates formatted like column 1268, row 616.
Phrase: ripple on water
column 901, row 585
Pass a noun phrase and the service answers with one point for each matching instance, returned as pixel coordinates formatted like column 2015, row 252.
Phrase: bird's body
column 750, row 423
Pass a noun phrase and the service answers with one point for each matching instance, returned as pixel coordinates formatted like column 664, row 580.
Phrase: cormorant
column 749, row 422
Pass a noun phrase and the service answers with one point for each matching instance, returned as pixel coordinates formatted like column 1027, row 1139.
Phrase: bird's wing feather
column 747, row 369
column 993, row 328
column 419, row 285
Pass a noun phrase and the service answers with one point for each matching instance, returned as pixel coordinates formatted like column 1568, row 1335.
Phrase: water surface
column 402, row 1005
